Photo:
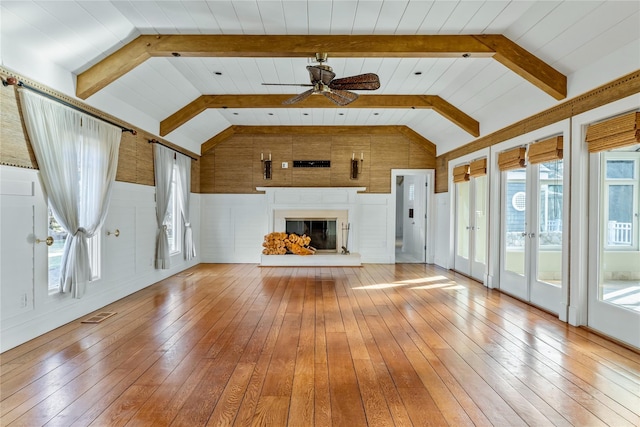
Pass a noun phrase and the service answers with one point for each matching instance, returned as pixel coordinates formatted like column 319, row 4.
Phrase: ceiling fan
column 323, row 82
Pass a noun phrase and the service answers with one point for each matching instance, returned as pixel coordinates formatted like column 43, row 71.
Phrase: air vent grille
column 99, row 317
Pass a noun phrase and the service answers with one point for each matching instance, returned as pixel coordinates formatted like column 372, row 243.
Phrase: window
column 172, row 220
column 56, row 231
column 621, row 200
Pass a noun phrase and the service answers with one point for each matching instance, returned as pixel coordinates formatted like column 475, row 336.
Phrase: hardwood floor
column 379, row 345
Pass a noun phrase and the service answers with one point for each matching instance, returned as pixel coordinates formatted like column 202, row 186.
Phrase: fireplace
column 326, row 215
column 321, row 230
column 324, row 226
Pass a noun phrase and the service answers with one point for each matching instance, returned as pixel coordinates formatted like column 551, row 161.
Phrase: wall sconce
column 266, row 166
column 356, row 167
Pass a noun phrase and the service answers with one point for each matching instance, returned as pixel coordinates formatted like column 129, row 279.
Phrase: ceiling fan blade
column 341, row 97
column 319, row 74
column 287, row 84
column 299, row 97
column 368, row 81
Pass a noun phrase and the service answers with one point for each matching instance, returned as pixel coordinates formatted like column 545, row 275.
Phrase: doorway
column 614, row 249
column 531, row 243
column 410, row 191
column 470, row 227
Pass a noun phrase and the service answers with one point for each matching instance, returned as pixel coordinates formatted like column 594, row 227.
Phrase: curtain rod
column 12, row 81
column 155, row 141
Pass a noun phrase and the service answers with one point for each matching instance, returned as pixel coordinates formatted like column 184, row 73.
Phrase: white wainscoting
column 27, row 310
column 375, row 229
column 234, row 225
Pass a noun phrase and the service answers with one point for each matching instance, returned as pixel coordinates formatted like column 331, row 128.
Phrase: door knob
column 48, row 241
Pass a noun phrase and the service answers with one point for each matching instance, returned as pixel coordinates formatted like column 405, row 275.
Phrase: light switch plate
column 285, row 165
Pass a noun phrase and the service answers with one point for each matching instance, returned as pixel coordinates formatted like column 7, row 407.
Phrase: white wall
column 375, row 228
column 443, row 223
column 126, row 260
column 234, row 225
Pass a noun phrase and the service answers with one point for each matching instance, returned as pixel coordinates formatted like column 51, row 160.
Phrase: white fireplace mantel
column 311, row 196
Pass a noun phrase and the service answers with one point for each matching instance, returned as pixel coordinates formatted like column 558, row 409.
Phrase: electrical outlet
column 285, row 165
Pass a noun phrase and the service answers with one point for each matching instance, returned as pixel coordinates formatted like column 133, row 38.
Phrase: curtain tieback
column 164, row 228
column 80, row 230
column 187, row 224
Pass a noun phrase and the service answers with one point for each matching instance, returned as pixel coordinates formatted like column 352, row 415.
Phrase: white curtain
column 163, row 168
column 183, row 164
column 78, row 157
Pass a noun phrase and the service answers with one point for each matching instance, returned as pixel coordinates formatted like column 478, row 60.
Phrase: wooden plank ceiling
column 123, row 56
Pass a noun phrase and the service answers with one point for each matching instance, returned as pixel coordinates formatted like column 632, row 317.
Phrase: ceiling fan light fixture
column 323, row 82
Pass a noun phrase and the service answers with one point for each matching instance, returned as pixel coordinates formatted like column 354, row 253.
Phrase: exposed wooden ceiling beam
column 502, row 49
column 204, row 102
column 319, row 130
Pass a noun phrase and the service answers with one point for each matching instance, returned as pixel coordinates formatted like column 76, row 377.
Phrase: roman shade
column 545, row 151
column 460, row 174
column 478, row 168
column 512, row 159
column 617, row 132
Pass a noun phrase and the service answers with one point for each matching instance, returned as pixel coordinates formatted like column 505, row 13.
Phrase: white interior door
column 418, row 248
column 412, row 216
column 614, row 239
column 531, row 236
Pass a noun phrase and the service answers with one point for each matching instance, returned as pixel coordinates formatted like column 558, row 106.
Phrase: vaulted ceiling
column 449, row 70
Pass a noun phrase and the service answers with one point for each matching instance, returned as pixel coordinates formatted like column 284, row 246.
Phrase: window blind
column 460, row 174
column 617, row 132
column 546, row 150
column 478, row 168
column 512, row 159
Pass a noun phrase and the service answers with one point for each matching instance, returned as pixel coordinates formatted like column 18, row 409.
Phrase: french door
column 531, row 258
column 614, row 252
column 471, row 227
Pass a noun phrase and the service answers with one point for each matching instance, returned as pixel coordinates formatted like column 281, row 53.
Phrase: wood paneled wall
column 620, row 88
column 234, row 166
column 135, row 161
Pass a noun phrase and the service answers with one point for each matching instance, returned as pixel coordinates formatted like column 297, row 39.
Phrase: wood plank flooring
column 380, row 345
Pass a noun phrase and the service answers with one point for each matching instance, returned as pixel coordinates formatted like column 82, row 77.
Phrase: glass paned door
column 546, row 242
column 479, row 227
column 614, row 259
column 471, row 227
column 514, row 242
column 531, row 240
column 463, row 226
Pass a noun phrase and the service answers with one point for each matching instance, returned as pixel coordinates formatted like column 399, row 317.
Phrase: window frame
column 175, row 242
column 634, row 183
